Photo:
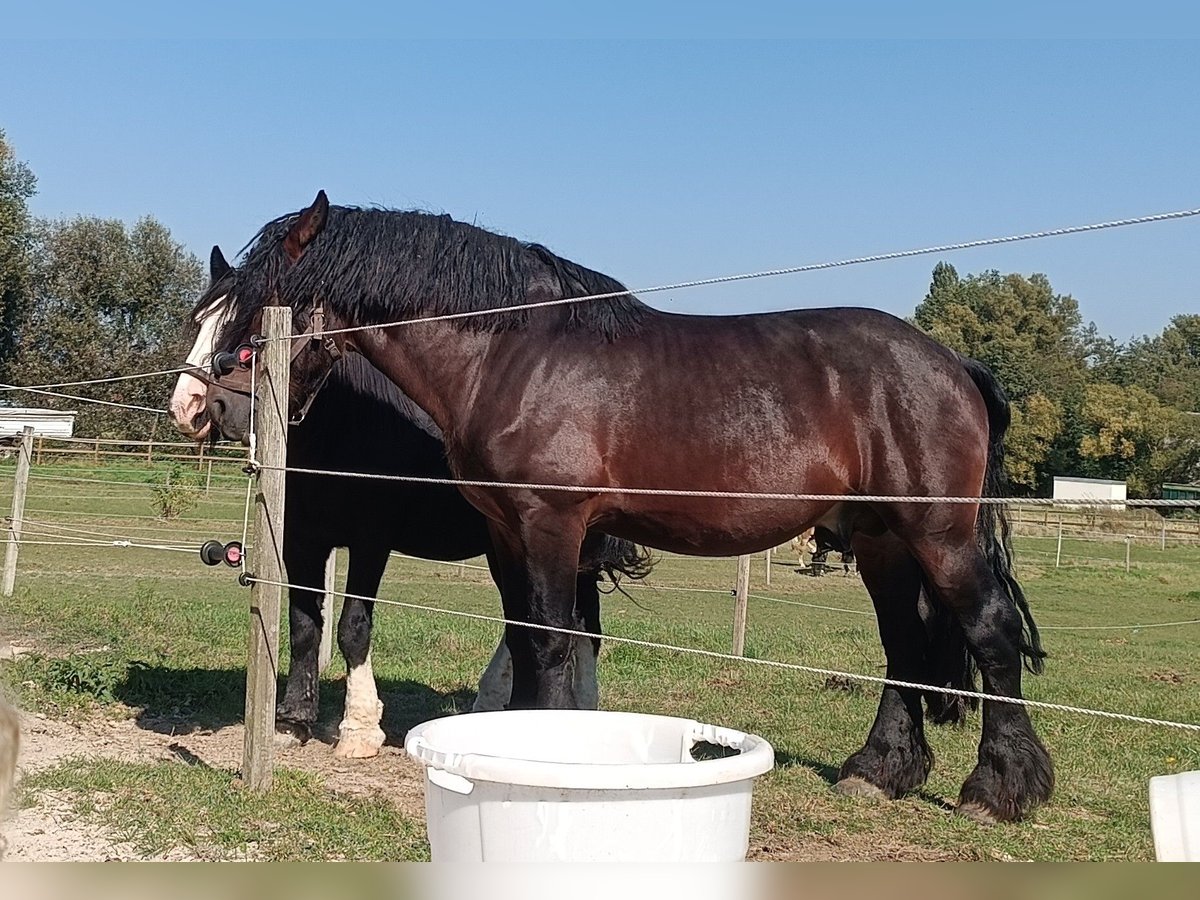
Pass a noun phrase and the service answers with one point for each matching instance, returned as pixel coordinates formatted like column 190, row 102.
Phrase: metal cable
column 713, row 654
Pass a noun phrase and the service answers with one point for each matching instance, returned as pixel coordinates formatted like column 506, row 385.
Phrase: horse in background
column 363, row 423
column 624, row 403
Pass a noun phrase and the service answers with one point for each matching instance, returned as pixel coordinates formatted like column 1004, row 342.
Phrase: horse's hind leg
column 359, row 734
column 1013, row 773
column 896, row 758
column 297, row 711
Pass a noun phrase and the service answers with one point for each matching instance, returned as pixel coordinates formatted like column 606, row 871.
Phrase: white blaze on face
column 187, row 400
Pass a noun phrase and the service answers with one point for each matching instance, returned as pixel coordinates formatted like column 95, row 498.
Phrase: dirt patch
column 50, row 831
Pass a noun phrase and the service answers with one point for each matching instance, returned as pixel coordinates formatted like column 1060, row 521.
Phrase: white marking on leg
column 359, row 734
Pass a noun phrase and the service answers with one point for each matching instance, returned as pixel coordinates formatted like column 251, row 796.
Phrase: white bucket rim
column 755, row 758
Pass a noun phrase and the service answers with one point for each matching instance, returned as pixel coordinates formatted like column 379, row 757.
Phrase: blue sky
column 651, row 160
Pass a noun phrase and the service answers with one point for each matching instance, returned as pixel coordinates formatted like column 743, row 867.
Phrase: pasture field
column 156, row 642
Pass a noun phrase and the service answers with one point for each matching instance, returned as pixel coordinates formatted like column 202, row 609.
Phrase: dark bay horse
column 361, row 422
column 614, row 397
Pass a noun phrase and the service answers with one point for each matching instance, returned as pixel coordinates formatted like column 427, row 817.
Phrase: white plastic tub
column 1175, row 817
column 584, row 785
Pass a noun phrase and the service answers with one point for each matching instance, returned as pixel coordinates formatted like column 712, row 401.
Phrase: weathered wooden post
column 1128, row 545
column 767, row 556
column 1058, row 552
column 17, row 515
column 742, row 594
column 262, row 668
column 325, row 654
column 1163, row 535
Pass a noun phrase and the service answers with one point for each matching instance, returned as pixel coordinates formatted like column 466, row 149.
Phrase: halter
column 229, row 362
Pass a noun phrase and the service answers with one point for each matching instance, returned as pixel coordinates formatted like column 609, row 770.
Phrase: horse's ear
column 218, row 268
column 309, row 224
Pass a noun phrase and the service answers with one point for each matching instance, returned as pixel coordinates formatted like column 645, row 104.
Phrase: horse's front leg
column 540, row 563
column 359, row 734
column 297, row 711
column 495, row 685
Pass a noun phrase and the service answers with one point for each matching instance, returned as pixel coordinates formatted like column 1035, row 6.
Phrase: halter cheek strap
column 314, row 333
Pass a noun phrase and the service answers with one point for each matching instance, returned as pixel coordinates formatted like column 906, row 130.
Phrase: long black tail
column 613, row 558
column 992, row 527
column 950, row 661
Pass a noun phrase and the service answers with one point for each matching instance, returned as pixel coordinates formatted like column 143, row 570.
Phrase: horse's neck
column 435, row 364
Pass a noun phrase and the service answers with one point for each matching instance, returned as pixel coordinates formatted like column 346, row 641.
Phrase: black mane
column 378, row 265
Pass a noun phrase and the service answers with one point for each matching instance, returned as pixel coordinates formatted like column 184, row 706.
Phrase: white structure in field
column 1068, row 488
column 51, row 423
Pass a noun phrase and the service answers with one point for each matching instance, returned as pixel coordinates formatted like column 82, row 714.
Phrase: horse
column 562, row 414
column 826, row 542
column 363, row 423
column 818, row 542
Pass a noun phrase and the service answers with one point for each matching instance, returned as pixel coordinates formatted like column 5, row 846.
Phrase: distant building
column 1182, row 492
column 51, row 423
column 1070, row 488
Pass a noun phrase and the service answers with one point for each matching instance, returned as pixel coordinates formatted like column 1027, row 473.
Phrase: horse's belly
column 716, row 527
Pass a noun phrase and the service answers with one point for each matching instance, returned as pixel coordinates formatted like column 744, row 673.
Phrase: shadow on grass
column 829, row 774
column 184, row 701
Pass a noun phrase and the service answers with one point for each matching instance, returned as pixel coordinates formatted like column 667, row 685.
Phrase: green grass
column 167, row 805
column 167, row 639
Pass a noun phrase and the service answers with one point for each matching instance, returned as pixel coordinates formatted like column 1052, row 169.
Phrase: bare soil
column 50, row 831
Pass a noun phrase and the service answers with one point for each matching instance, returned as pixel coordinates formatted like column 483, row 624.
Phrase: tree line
column 91, row 298
column 88, row 297
column 1083, row 404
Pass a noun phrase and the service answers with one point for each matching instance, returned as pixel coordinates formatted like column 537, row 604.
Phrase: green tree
column 1035, row 342
column 1167, row 365
column 17, row 185
column 106, row 300
column 1037, row 422
column 1129, row 434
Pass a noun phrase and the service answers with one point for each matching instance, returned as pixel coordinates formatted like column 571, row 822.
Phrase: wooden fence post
column 39, row 450
column 262, row 667
column 17, row 515
column 739, row 605
column 767, row 555
column 1058, row 552
column 1128, row 544
column 325, row 654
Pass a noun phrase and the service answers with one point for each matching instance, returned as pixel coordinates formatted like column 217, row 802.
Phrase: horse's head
column 238, row 350
column 187, row 404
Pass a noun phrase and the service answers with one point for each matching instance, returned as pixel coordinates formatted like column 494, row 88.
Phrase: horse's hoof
column 358, row 743
column 291, row 733
column 977, row 813
column 853, row 786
